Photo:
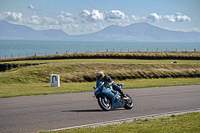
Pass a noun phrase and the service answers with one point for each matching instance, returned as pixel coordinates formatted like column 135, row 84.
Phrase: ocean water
column 13, row 48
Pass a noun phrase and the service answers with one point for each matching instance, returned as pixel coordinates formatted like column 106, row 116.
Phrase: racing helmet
column 100, row 75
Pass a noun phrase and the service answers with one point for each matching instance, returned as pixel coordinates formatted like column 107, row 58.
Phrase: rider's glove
column 107, row 86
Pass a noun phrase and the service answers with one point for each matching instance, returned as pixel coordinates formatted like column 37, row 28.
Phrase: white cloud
column 154, row 17
column 61, row 19
column 115, row 14
column 134, row 18
column 169, row 18
column 11, row 16
column 48, row 21
column 99, row 20
column 66, row 14
column 85, row 15
column 31, row 7
column 178, row 17
column 93, row 16
column 35, row 19
column 96, row 15
column 64, row 19
column 181, row 18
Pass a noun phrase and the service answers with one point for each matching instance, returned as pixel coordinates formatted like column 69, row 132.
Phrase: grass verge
column 27, row 89
column 185, row 123
column 75, row 74
column 81, row 70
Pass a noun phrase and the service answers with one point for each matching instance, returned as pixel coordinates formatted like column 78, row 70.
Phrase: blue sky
column 87, row 16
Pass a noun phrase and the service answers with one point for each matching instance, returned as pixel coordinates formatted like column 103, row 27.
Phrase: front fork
column 105, row 98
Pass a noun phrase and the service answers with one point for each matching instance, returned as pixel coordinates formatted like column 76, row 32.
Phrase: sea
column 18, row 48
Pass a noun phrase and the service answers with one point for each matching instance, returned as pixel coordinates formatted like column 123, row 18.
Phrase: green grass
column 24, row 89
column 80, row 70
column 185, row 123
column 74, row 74
column 134, row 61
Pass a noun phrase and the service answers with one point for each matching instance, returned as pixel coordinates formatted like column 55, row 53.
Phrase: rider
column 108, row 81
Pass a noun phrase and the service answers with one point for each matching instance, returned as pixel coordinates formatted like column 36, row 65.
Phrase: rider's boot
column 123, row 95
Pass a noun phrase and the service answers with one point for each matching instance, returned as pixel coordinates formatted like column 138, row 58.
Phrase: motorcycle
column 109, row 99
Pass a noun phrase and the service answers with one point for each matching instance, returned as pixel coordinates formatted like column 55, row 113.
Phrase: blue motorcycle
column 109, row 99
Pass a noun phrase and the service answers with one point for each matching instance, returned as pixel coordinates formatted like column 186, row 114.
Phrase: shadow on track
column 95, row 110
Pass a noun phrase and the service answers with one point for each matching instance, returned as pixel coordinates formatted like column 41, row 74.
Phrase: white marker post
column 55, row 80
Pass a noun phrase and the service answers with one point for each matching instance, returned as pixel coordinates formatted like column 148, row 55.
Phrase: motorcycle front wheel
column 104, row 102
column 129, row 103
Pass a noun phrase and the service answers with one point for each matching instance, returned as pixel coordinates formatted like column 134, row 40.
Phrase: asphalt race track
column 48, row 112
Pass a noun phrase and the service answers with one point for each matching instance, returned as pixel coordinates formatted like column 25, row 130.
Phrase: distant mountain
column 140, row 32
column 135, row 32
column 20, row 32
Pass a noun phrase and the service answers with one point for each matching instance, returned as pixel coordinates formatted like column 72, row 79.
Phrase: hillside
column 135, row 32
column 20, row 32
column 141, row 32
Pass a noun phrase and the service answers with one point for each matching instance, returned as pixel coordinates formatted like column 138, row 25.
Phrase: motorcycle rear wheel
column 129, row 105
column 104, row 102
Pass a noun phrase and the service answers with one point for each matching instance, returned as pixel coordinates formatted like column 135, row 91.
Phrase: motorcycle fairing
column 112, row 94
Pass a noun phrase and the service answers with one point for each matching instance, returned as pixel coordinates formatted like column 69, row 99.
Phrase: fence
column 88, row 51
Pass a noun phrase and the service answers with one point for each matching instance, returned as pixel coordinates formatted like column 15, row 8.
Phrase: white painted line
column 132, row 119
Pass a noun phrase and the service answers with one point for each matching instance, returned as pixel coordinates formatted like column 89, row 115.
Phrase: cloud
column 97, row 20
column 35, row 19
column 181, row 18
column 135, row 18
column 61, row 18
column 178, row 17
column 169, row 18
column 58, row 20
column 11, row 16
column 66, row 14
column 31, row 7
column 115, row 14
column 64, row 19
column 154, row 17
column 92, row 16
column 95, row 15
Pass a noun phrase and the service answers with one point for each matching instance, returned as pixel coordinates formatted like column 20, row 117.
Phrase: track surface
column 48, row 112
